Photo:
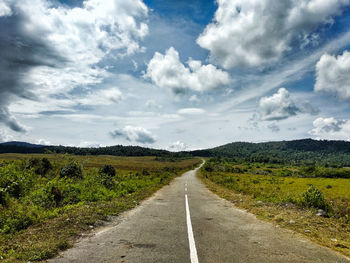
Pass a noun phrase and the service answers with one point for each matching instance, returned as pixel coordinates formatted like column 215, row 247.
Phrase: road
column 185, row 222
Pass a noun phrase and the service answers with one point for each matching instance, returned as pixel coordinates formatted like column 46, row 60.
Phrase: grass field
column 47, row 201
column 279, row 197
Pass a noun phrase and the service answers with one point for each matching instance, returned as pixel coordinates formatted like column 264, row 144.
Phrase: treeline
column 118, row 150
column 297, row 152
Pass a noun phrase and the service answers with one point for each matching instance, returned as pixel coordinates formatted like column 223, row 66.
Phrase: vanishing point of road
column 184, row 222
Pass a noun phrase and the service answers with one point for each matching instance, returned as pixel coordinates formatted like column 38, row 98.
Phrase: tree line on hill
column 298, row 152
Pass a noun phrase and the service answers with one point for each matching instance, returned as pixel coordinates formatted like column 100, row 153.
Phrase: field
column 48, row 201
column 288, row 196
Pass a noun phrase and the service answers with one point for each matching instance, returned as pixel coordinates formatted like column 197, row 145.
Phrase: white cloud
column 331, row 128
column 5, row 9
column 167, row 71
column 5, row 137
column 281, row 106
column 134, row 134
column 177, row 146
column 194, row 98
column 333, row 75
column 191, row 111
column 43, row 142
column 102, row 97
column 277, row 107
column 254, row 32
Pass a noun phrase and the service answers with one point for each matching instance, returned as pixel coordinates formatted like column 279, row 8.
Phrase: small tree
column 107, row 173
column 71, row 170
column 313, row 197
column 108, row 170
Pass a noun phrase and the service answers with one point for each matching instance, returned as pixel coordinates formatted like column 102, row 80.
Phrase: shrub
column 107, row 173
column 12, row 180
column 313, row 197
column 49, row 196
column 108, row 170
column 46, row 166
column 40, row 167
column 71, row 170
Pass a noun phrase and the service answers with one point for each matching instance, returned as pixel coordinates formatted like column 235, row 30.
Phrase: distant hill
column 118, row 150
column 21, row 144
column 305, row 151
column 297, row 151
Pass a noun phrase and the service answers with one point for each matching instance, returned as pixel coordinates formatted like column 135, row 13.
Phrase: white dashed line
column 193, row 250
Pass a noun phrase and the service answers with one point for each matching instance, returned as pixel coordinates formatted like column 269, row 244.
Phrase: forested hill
column 297, row 151
column 333, row 153
column 118, row 150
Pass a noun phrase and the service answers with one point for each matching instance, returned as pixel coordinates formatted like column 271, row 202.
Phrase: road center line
column 193, row 250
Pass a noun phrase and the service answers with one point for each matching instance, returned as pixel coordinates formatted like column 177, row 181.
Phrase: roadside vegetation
column 48, row 201
column 310, row 199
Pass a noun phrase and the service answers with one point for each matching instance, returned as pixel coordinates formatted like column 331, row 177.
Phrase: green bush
column 107, row 174
column 49, row 196
column 108, row 170
column 71, row 170
column 313, row 197
column 13, row 181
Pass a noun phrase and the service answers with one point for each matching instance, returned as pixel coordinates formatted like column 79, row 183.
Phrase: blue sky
column 173, row 74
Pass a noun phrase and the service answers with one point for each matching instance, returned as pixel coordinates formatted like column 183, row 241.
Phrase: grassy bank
column 284, row 198
column 48, row 201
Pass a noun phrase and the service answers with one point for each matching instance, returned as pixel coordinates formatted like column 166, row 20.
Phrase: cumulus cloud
column 177, row 146
column 278, row 107
column 191, row 111
column 281, row 106
column 333, row 75
column 134, row 134
column 48, row 48
column 254, row 32
column 167, row 71
column 331, row 128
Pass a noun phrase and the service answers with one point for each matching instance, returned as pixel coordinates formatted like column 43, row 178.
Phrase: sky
column 173, row 74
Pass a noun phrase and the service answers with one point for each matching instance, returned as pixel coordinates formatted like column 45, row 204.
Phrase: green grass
column 43, row 211
column 283, row 189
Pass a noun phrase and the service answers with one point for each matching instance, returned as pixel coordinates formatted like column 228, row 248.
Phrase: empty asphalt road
column 185, row 222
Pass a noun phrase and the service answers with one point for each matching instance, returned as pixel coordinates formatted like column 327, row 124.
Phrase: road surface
column 185, row 222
